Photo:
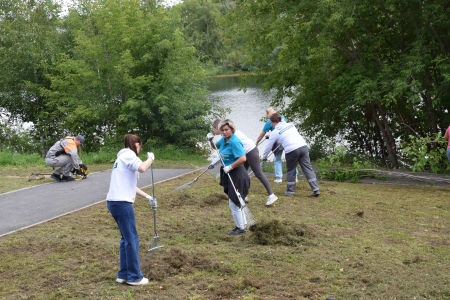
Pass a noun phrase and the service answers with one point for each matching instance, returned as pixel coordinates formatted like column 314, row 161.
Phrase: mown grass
column 355, row 241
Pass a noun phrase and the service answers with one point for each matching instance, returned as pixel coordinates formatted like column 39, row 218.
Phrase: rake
column 251, row 221
column 189, row 184
column 156, row 236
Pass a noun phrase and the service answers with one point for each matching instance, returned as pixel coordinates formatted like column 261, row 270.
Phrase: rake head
column 186, row 185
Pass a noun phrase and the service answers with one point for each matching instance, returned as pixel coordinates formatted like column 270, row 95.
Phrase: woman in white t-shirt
column 121, row 195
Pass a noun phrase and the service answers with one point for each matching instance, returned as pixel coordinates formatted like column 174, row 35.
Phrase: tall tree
column 370, row 72
column 28, row 49
column 130, row 70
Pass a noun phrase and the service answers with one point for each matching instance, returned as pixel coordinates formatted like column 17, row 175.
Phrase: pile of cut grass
column 356, row 241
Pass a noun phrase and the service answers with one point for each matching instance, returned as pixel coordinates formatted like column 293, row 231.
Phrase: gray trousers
column 300, row 156
column 253, row 162
column 62, row 161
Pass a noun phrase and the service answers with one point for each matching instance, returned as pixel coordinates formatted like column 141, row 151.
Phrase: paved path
column 31, row 206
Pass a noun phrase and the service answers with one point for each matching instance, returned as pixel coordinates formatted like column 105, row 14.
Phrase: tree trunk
column 383, row 126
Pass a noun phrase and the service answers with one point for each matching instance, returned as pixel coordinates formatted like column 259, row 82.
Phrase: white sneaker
column 246, row 199
column 120, row 280
column 271, row 199
column 142, row 282
column 278, row 180
column 296, row 179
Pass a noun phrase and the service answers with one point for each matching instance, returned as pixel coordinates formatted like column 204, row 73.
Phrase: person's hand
column 210, row 167
column 227, row 169
column 152, row 201
column 210, row 136
column 83, row 166
column 151, row 155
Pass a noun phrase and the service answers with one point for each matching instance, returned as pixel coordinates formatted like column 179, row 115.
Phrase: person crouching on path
column 233, row 155
column 64, row 154
column 121, row 196
column 296, row 152
column 252, row 156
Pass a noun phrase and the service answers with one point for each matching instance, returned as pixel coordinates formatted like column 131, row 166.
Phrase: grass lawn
column 355, row 241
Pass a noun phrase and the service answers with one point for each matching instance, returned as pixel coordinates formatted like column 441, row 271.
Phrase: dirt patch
column 274, row 232
column 175, row 261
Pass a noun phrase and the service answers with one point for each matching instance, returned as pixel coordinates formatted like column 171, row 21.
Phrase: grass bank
column 355, row 241
column 15, row 169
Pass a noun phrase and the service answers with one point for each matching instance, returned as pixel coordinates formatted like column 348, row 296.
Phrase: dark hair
column 130, row 141
column 276, row 117
column 215, row 124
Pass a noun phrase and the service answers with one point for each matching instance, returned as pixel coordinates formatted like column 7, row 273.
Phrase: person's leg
column 123, row 214
column 291, row 164
column 61, row 161
column 448, row 153
column 308, row 171
column 253, row 162
column 278, row 166
column 237, row 215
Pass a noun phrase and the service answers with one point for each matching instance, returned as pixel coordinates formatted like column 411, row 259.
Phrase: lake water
column 247, row 108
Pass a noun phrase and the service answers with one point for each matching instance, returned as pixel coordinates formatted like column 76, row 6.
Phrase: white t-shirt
column 287, row 135
column 124, row 177
column 248, row 144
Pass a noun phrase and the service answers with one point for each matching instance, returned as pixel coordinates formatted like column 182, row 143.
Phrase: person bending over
column 64, row 154
column 296, row 153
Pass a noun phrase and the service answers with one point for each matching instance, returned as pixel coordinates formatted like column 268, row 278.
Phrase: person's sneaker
column 246, row 199
column 65, row 178
column 316, row 193
column 142, row 282
column 278, row 180
column 237, row 231
column 271, row 199
column 55, row 176
column 120, row 280
column 288, row 194
column 296, row 179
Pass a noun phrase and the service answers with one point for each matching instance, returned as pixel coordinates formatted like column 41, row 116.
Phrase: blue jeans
column 123, row 213
column 448, row 153
column 278, row 165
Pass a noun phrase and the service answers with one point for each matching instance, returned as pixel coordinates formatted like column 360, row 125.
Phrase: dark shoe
column 316, row 193
column 65, row 178
column 55, row 176
column 237, row 231
column 289, row 194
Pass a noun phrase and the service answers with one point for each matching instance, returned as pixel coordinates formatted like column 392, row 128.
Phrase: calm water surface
column 247, row 108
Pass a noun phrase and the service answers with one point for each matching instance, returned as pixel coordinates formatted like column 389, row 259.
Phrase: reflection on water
column 247, row 108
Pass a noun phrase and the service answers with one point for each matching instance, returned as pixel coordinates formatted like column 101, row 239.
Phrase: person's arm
column 261, row 135
column 145, row 165
column 141, row 193
column 269, row 145
column 239, row 161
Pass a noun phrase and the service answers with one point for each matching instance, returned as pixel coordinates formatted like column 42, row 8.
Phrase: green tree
column 370, row 73
column 130, row 70
column 28, row 49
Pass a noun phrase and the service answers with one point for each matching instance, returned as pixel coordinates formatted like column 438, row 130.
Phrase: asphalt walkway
column 31, row 206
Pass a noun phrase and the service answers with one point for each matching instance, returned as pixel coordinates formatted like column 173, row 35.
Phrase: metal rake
column 189, row 184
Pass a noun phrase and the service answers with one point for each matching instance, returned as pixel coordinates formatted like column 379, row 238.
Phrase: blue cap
column 81, row 139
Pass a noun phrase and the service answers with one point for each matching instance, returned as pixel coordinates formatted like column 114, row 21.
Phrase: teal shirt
column 231, row 150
